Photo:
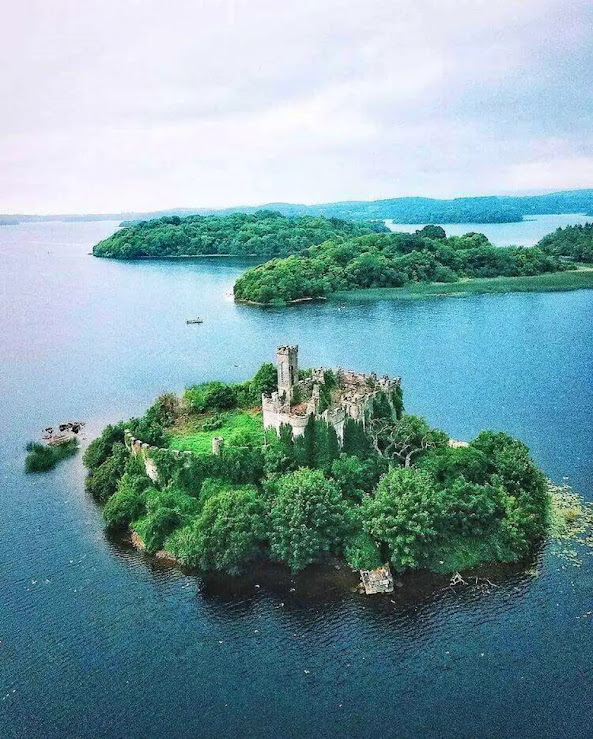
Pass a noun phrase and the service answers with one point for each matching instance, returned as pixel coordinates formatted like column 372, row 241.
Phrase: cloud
column 119, row 105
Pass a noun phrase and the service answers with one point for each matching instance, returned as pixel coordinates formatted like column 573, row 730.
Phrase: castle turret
column 287, row 361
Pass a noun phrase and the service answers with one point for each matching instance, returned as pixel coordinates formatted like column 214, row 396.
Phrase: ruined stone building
column 331, row 396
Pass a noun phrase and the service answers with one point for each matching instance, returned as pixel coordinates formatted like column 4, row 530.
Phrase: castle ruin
column 328, row 395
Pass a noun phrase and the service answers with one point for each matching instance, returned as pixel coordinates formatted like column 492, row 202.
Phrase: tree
column 361, row 552
column 228, row 532
column 404, row 516
column 129, row 501
column 355, row 476
column 356, row 442
column 265, row 380
column 404, row 439
column 471, row 509
column 306, row 518
column 101, row 447
column 432, row 232
column 102, row 481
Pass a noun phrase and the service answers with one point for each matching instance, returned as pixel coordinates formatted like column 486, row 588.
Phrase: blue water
column 525, row 233
column 97, row 640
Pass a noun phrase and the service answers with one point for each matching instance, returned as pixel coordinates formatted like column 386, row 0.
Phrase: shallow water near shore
column 97, row 639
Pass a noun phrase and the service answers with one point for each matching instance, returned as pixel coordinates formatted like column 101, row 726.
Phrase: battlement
column 330, row 395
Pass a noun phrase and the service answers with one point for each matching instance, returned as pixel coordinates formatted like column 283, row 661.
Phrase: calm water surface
column 96, row 640
column 525, row 233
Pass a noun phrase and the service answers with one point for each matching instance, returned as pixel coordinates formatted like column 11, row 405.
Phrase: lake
column 525, row 233
column 98, row 640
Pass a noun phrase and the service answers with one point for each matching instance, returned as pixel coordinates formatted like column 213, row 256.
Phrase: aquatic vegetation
column 42, row 457
column 570, row 525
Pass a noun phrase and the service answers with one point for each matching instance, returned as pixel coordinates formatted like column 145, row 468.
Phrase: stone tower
column 287, row 361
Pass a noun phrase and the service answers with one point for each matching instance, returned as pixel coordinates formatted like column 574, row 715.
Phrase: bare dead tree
column 398, row 441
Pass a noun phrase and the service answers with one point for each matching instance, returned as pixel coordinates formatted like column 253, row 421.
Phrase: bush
column 226, row 534
column 306, row 518
column 361, row 552
column 211, row 396
column 101, row 447
column 102, row 482
column 405, row 516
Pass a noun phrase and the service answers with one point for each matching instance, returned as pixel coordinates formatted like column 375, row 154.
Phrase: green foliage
column 306, row 518
column 41, row 458
column 356, row 442
column 356, row 476
column 264, row 233
column 471, row 509
column 572, row 242
column 103, row 480
column 446, row 464
column 128, row 502
column 318, row 446
column 404, row 516
column 389, row 260
column 100, row 448
column 226, row 534
column 361, row 552
column 432, row 232
column 211, row 396
column 166, row 510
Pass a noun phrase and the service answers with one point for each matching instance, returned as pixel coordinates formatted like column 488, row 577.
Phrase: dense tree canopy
column 264, row 233
column 306, row 518
column 388, row 260
column 571, row 242
column 394, row 490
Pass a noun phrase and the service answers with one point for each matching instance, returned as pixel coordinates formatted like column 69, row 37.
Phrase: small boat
column 194, row 320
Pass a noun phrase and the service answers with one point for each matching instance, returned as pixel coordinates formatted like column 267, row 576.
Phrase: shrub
column 306, row 518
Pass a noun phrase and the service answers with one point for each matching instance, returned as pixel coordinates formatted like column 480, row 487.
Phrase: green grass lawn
column 240, row 428
column 573, row 280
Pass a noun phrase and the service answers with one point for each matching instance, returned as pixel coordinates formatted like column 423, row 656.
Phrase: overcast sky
column 121, row 105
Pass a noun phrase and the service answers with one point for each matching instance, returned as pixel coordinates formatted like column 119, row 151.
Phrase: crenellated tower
column 287, row 361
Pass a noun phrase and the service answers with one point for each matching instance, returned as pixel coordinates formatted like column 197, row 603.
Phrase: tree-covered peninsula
column 264, row 234
column 396, row 260
column 200, row 478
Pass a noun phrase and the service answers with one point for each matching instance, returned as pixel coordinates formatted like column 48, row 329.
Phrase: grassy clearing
column 238, row 428
column 578, row 279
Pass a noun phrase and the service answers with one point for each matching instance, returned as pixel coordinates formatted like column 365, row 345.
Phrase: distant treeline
column 491, row 209
column 396, row 259
column 571, row 242
column 264, row 233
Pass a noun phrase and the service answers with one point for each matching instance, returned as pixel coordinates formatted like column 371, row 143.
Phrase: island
column 261, row 234
column 449, row 264
column 299, row 466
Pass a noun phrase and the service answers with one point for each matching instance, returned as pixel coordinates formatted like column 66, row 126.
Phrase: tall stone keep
column 287, row 361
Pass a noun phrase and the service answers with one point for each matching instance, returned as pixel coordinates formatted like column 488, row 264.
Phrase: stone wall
column 145, row 451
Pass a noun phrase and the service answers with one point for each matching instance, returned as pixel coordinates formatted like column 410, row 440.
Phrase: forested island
column 399, row 259
column 265, row 233
column 210, row 481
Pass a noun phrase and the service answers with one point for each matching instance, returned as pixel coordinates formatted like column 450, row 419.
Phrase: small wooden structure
column 377, row 581
column 194, row 320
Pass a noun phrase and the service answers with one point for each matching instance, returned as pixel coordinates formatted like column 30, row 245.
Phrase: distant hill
column 490, row 209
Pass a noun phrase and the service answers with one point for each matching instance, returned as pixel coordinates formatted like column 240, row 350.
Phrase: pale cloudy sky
column 137, row 105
